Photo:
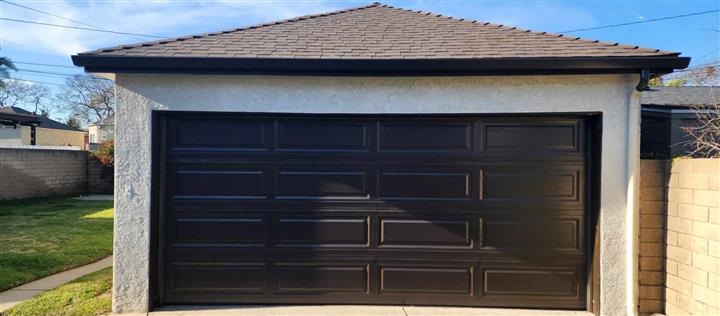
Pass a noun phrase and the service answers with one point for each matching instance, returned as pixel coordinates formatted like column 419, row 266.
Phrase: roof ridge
column 239, row 29
column 510, row 28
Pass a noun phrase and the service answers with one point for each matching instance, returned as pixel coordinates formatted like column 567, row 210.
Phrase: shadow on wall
column 27, row 173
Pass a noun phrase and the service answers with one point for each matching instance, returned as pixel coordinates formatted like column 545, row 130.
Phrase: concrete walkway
column 27, row 291
column 349, row 310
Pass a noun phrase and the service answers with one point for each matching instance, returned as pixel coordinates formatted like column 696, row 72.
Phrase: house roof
column 9, row 117
column 680, row 96
column 106, row 121
column 44, row 122
column 375, row 35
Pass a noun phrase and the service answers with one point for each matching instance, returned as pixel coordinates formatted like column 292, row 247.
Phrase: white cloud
column 164, row 18
column 178, row 18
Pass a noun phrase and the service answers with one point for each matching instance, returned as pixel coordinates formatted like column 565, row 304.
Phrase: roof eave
column 374, row 67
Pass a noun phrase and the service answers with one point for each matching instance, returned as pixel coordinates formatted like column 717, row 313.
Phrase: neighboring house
column 36, row 130
column 102, row 131
column 378, row 156
column 666, row 111
column 12, row 127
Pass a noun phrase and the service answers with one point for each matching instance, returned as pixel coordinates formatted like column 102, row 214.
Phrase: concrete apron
column 349, row 310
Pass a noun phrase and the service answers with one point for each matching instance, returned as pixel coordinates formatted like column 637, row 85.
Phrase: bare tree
column 89, row 97
column 14, row 93
column 705, row 135
column 37, row 98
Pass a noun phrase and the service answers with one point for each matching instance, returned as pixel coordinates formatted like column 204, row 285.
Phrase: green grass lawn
column 85, row 296
column 40, row 237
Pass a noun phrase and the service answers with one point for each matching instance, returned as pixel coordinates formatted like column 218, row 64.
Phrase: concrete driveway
column 351, row 310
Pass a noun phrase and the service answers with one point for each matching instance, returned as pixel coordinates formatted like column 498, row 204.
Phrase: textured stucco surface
column 613, row 95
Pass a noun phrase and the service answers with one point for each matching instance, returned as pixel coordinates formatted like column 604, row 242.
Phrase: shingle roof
column 680, row 96
column 378, row 32
column 44, row 121
column 106, row 121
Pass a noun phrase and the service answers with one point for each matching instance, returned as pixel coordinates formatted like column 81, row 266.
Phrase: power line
column 58, row 16
column 46, row 72
column 640, row 22
column 78, row 28
column 40, row 82
column 63, row 75
column 41, row 64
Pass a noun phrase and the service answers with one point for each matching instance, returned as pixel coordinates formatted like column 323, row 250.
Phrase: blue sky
column 696, row 36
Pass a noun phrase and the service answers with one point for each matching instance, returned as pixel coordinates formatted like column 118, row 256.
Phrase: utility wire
column 40, row 82
column 58, row 16
column 79, row 28
column 41, row 64
column 640, row 22
column 46, row 72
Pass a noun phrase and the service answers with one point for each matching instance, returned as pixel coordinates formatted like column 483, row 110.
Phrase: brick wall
column 680, row 237
column 26, row 173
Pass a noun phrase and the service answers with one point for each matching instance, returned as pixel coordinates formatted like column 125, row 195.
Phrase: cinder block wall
column 27, row 173
column 682, row 199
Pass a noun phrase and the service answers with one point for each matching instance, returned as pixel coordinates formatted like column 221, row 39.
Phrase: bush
column 105, row 153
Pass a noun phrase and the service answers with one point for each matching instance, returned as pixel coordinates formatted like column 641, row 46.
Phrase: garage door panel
column 531, row 185
column 448, row 210
column 221, row 134
column 456, row 280
column 299, row 278
column 519, row 282
column 533, row 233
column 424, row 185
column 248, row 184
column 425, row 233
column 425, row 136
column 238, row 278
column 531, row 136
column 322, row 136
column 319, row 232
column 317, row 184
column 235, row 231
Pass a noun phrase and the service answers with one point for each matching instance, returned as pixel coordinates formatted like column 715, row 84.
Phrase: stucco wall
column 56, row 137
column 613, row 95
column 10, row 135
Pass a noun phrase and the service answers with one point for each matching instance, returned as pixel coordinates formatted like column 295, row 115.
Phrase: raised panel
column 425, row 136
column 531, row 185
column 321, row 136
column 530, row 136
column 429, row 280
column 531, row 282
column 321, row 185
column 248, row 231
column 235, row 135
column 425, row 233
column 223, row 184
column 548, row 234
column 322, row 232
column 321, row 279
column 246, row 278
column 424, row 185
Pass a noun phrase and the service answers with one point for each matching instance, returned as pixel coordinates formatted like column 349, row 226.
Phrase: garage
column 378, row 156
column 462, row 210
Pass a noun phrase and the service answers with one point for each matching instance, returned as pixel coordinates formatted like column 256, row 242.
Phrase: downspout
column 633, row 181
column 644, row 80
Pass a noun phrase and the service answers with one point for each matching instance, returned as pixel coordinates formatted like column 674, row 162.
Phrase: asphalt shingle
column 681, row 96
column 378, row 31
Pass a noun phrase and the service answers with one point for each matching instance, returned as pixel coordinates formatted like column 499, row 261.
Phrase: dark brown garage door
column 442, row 210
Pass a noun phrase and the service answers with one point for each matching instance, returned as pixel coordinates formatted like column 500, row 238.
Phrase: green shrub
column 105, row 153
